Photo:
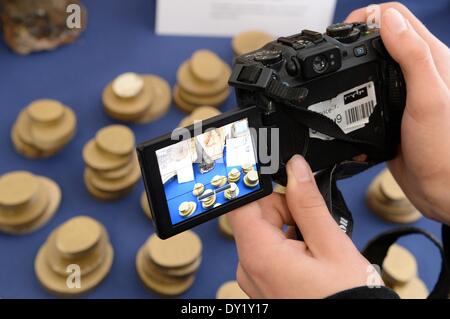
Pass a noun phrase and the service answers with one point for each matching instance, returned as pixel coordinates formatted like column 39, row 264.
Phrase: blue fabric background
column 120, row 38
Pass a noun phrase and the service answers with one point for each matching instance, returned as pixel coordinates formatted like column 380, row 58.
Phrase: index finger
column 250, row 227
column 360, row 15
column 439, row 50
column 258, row 225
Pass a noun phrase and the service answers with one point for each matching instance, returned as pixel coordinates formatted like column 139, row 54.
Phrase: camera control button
column 360, row 51
column 268, row 56
column 344, row 32
column 339, row 30
column 363, row 27
column 293, row 67
column 352, row 37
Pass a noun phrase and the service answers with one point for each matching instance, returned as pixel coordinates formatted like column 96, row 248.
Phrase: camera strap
column 280, row 91
column 322, row 124
column 326, row 181
column 376, row 250
column 293, row 98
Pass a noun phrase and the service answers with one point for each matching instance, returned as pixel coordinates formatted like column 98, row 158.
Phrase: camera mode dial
column 344, row 32
column 268, row 57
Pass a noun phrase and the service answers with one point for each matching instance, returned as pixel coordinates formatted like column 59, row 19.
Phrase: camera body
column 333, row 97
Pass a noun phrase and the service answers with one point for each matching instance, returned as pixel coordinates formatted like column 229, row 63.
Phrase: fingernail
column 394, row 21
column 300, row 169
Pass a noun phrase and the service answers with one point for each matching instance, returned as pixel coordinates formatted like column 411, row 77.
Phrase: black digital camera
column 330, row 97
column 333, row 96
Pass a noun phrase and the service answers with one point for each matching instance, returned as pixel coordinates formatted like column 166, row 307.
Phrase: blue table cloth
column 120, row 37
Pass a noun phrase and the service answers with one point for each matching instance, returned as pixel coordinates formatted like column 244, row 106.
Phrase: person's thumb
column 414, row 56
column 321, row 233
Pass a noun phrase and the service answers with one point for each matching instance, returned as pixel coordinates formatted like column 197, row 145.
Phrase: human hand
column 274, row 265
column 422, row 167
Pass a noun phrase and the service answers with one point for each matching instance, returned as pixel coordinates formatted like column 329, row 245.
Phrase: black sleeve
column 365, row 292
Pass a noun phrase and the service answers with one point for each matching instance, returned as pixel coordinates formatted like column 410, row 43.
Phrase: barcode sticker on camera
column 350, row 110
column 359, row 113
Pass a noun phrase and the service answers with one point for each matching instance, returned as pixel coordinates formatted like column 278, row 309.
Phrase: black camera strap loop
column 326, row 181
column 280, row 91
column 293, row 98
column 322, row 124
column 376, row 250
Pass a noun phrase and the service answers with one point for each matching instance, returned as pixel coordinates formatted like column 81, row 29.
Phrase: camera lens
column 320, row 64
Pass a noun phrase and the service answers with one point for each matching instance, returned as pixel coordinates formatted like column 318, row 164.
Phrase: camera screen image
column 208, row 170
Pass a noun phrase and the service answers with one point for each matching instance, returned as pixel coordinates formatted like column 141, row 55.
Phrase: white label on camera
column 350, row 110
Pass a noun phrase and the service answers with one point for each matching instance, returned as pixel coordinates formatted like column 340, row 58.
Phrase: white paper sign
column 240, row 151
column 185, row 173
column 177, row 160
column 229, row 17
